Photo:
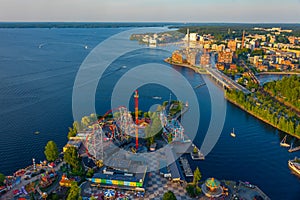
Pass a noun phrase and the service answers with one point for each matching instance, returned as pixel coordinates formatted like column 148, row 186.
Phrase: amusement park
column 124, row 155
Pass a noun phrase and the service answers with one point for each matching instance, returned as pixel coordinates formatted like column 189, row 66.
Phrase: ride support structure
column 136, row 102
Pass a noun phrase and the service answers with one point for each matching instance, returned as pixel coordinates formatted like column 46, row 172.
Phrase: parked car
column 27, row 175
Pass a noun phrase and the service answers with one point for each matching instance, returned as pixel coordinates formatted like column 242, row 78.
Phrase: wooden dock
column 186, row 167
column 197, row 155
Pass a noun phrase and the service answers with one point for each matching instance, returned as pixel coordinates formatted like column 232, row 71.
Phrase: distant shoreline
column 51, row 25
column 10, row 24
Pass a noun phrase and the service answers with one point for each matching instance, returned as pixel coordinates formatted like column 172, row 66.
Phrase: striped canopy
column 109, row 193
column 212, row 183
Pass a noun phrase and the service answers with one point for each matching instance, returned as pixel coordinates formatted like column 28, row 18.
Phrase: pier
column 197, row 155
column 180, row 114
column 248, row 191
column 186, row 167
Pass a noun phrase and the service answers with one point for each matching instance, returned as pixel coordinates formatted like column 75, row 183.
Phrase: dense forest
column 230, row 31
column 265, row 108
column 219, row 30
column 286, row 90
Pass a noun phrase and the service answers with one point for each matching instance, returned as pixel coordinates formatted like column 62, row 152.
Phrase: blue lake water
column 37, row 72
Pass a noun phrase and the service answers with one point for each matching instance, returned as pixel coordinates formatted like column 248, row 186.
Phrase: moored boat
column 283, row 142
column 294, row 165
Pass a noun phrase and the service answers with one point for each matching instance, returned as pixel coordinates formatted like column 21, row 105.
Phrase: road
column 9, row 195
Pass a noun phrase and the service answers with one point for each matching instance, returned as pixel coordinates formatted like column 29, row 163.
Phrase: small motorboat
column 232, row 134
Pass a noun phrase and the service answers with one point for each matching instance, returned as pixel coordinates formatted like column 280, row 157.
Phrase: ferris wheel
column 94, row 143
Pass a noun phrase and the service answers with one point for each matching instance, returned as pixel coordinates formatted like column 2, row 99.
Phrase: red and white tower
column 136, row 102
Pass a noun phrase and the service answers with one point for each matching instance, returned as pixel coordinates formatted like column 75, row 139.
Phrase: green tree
column 74, row 192
column 169, row 196
column 93, row 198
column 148, row 131
column 51, row 151
column 297, row 131
column 85, row 121
column 150, row 141
column 93, row 117
column 197, row 177
column 53, row 196
column 2, row 178
column 72, row 132
column 198, row 190
column 90, row 173
column 76, row 125
column 154, row 127
column 195, row 150
column 170, row 138
column 190, row 189
column 71, row 157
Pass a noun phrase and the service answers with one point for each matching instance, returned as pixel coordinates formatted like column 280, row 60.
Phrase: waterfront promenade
column 278, row 73
column 219, row 77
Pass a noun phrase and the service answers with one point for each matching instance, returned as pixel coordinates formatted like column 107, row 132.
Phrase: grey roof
column 171, row 159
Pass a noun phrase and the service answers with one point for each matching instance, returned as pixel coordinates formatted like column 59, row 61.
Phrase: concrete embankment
column 194, row 68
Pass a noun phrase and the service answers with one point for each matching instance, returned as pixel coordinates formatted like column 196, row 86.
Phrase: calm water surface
column 37, row 72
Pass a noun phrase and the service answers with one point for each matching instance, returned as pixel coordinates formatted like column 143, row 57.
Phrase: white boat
column 293, row 149
column 156, row 97
column 152, row 42
column 294, row 165
column 283, row 142
column 232, row 133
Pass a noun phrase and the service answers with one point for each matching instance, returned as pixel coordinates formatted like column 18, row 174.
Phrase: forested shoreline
column 286, row 90
column 263, row 106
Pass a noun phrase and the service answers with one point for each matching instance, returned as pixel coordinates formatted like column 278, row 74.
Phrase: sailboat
column 232, row 133
column 283, row 142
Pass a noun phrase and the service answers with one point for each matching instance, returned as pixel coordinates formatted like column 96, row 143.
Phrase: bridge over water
column 225, row 81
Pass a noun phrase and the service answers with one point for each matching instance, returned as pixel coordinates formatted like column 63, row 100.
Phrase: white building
column 193, row 37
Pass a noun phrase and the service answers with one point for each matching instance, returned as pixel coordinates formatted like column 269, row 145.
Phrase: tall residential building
column 220, row 66
column 191, row 58
column 220, row 47
column 205, row 59
column 177, row 57
column 225, row 57
column 232, row 45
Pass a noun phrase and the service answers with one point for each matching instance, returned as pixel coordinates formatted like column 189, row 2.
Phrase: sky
column 249, row 11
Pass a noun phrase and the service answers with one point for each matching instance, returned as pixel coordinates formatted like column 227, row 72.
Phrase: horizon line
column 177, row 22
